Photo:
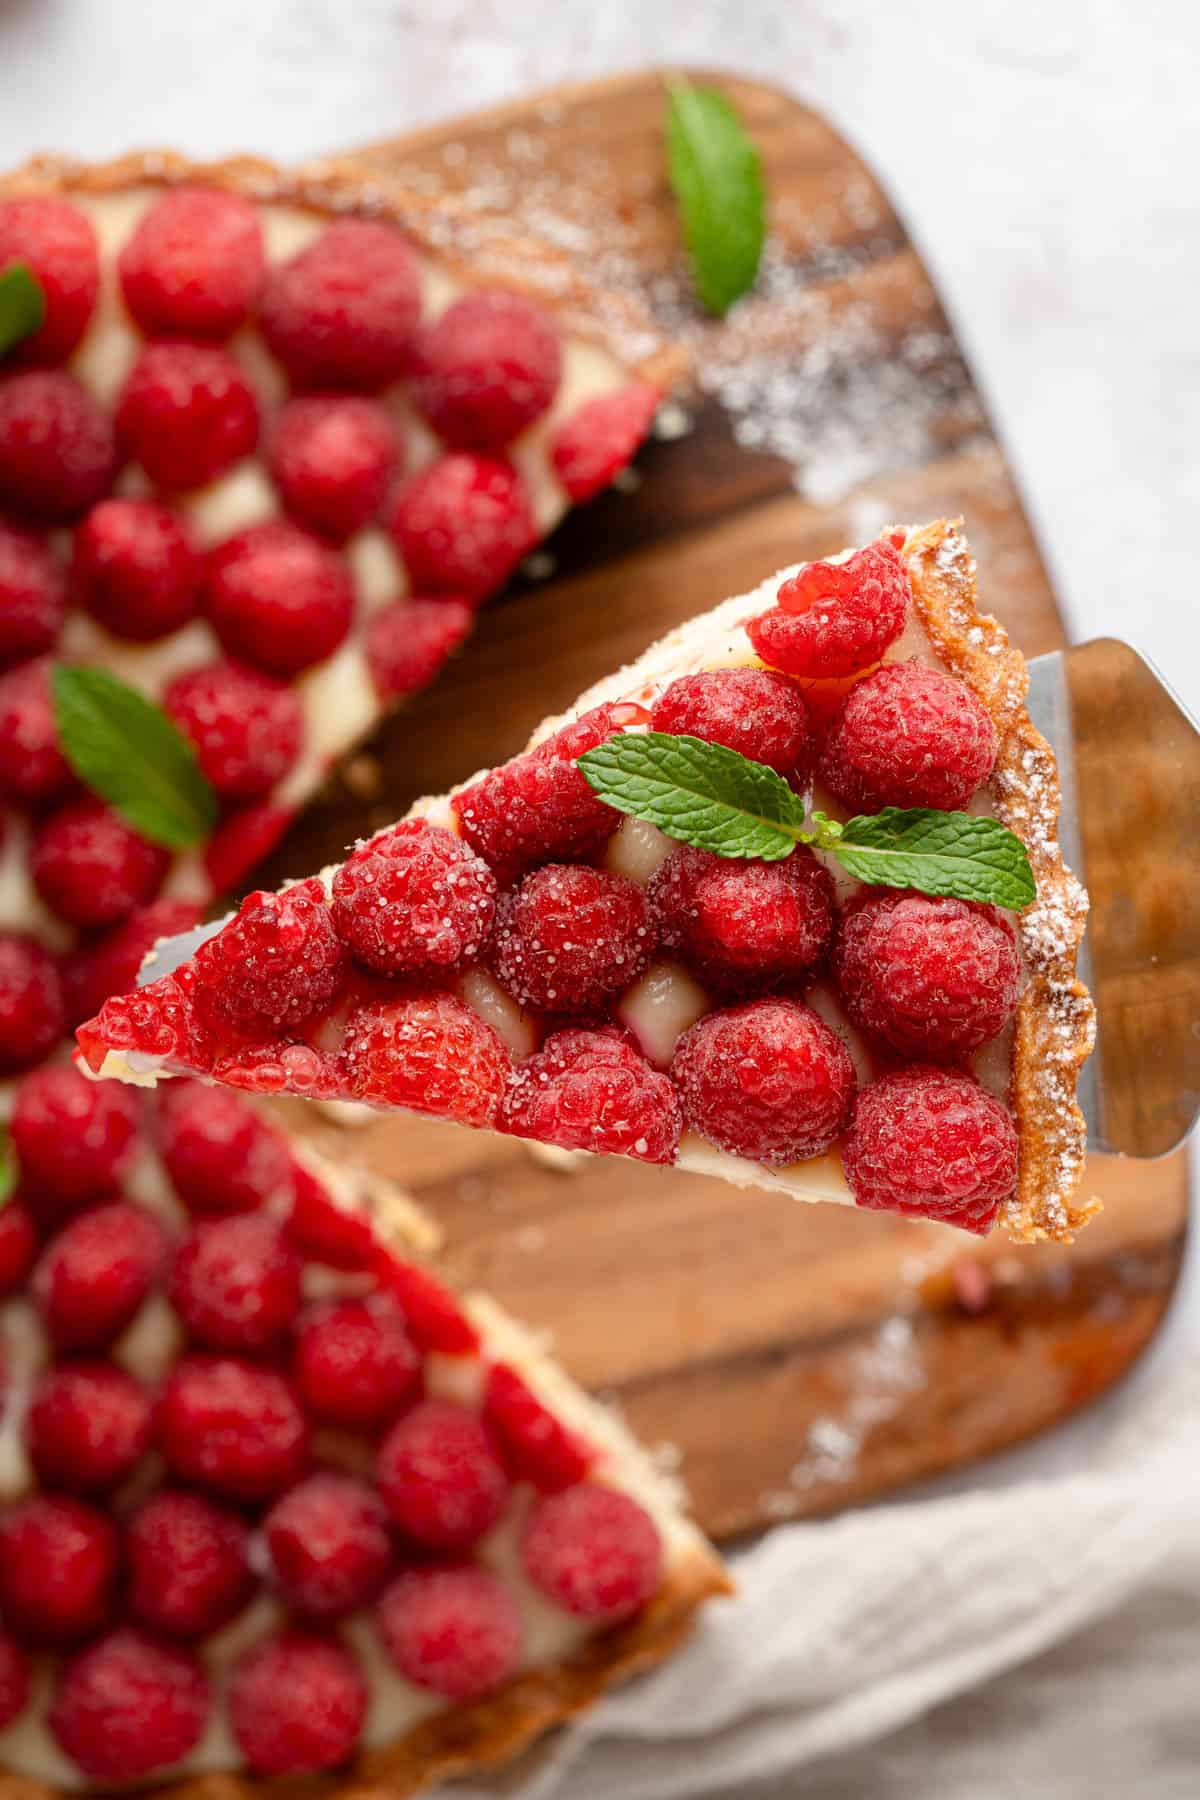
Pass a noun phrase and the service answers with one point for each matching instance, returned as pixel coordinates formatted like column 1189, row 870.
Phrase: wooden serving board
column 797, row 1358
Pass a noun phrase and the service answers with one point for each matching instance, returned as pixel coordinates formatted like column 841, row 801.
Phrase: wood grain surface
column 796, row 1359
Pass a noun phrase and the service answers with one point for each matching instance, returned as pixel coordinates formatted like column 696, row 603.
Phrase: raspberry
column 590, row 1090
column 428, row 1052
column 571, row 938
column 58, row 1566
column 232, row 1426
column 297, row 1704
column 355, row 1365
column 408, row 643
column 332, row 458
column 91, row 868
column 462, row 525
column 33, row 769
column 33, row 595
column 744, row 926
column 135, row 570
column 74, row 1137
column 235, row 1283
column 189, row 1572
column 329, row 1546
column 275, row 965
column 414, row 901
column 187, row 413
column 934, row 978
column 195, row 264
column 110, row 964
column 757, row 713
column 57, row 451
column 327, row 1232
column 486, row 369
column 90, row 1282
column 539, row 807
column 594, row 1551
column 534, row 1445
column 18, row 1246
column 129, row 1705
column 57, row 242
column 769, row 1081
column 440, row 1476
column 342, row 311
column 278, row 598
column 32, row 1014
column 908, row 736
column 247, row 729
column 243, row 840
column 931, row 1144
column 835, row 618
column 14, row 1680
column 87, row 1426
column 456, row 1631
column 434, row 1319
column 591, row 447
column 221, row 1157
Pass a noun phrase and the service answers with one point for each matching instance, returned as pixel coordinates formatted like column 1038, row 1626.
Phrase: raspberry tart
column 533, row 954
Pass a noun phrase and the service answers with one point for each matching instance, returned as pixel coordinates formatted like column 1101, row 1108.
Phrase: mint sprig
column 22, row 305
column 716, row 799
column 127, row 751
column 8, row 1167
column 716, row 175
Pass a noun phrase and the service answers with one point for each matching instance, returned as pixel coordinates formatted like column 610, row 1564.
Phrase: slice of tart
column 525, row 956
column 273, row 1500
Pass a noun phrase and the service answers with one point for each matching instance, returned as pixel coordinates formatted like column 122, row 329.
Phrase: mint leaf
column 131, row 754
column 8, row 1167
column 716, row 174
column 959, row 854
column 698, row 792
column 22, row 304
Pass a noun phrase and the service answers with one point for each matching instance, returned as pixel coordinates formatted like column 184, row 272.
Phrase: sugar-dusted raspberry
column 591, row 446
column 486, row 369
column 232, row 1426
column 109, row 964
column 297, row 1704
column 33, row 595
column 932, row 1144
column 539, row 807
column 247, row 729
column 428, row 1052
column 135, row 569
column 534, row 1445
column 329, row 1545
column 326, row 1229
column 32, row 1011
column 769, row 1080
column 235, row 1283
column 432, row 1315
column 58, row 1567
column 74, row 1137
column 194, row 265
column 591, row 1090
column 571, row 937
column 129, row 1705
column 275, row 965
column 934, row 978
column 908, row 736
column 221, row 1156
column 332, row 457
column 355, row 1365
column 408, row 643
column 58, row 455
column 91, row 868
column 594, row 1551
column 414, row 901
column 91, row 1280
column 754, row 711
column 187, row 413
column 14, row 1679
column 188, row 1564
column 744, row 926
column 342, row 311
column 18, row 1246
column 278, row 598
column 157, row 1019
column 440, row 1476
column 56, row 241
column 832, row 618
column 454, row 1631
column 462, row 525
column 87, row 1426
column 33, row 769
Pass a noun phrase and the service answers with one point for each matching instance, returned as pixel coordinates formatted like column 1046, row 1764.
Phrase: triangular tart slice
column 519, row 955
